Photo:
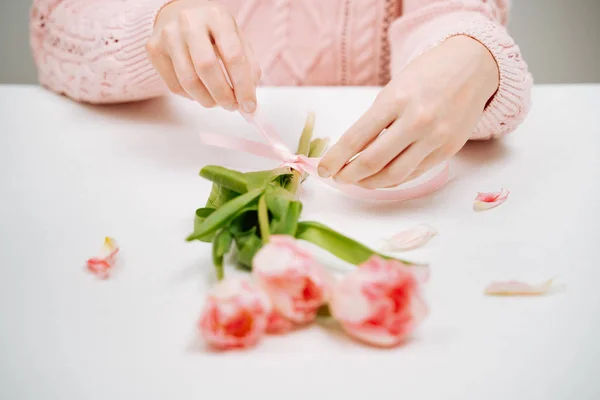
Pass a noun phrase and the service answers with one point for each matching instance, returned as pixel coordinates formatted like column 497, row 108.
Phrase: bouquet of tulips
column 258, row 215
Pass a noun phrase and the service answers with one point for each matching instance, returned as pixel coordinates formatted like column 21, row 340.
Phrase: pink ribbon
column 276, row 150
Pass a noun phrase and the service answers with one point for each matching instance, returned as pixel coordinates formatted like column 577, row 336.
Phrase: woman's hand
column 428, row 111
column 190, row 39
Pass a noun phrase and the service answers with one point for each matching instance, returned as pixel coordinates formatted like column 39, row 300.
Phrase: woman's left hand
column 428, row 112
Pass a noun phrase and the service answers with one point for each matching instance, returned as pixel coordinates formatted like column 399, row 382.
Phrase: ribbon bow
column 277, row 150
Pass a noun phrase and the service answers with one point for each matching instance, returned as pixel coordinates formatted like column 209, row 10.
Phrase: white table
column 72, row 174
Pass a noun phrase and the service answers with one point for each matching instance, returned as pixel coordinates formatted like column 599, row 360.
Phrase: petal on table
column 485, row 201
column 102, row 265
column 412, row 238
column 516, row 288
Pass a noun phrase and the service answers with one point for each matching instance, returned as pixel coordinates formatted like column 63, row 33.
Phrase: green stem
column 219, row 271
column 318, row 147
column 306, row 137
column 221, row 245
column 294, row 182
column 304, row 146
column 263, row 220
column 324, row 311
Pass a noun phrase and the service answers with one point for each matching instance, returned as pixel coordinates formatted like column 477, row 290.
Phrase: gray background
column 559, row 40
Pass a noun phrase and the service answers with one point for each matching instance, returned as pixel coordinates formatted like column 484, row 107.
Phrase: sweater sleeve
column 94, row 51
column 426, row 23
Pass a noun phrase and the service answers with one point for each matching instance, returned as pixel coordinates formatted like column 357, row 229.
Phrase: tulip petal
column 410, row 239
column 485, row 201
column 296, row 283
column 379, row 303
column 102, row 265
column 516, row 288
column 277, row 324
column 235, row 315
column 421, row 273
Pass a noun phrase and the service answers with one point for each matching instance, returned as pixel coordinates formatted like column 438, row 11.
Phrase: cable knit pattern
column 426, row 25
column 364, row 41
column 390, row 15
column 94, row 50
column 281, row 23
column 298, row 47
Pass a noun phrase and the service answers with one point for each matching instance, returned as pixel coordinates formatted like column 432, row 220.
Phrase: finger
column 380, row 115
column 449, row 143
column 224, row 31
column 164, row 66
column 207, row 66
column 431, row 161
column 184, row 68
column 256, row 71
column 417, row 122
column 400, row 168
column 379, row 153
column 257, row 74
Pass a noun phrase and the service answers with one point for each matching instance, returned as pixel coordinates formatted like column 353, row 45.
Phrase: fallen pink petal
column 485, row 201
column 103, row 264
column 410, row 239
column 517, row 288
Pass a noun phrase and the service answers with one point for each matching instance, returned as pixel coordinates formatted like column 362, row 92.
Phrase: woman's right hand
column 190, row 39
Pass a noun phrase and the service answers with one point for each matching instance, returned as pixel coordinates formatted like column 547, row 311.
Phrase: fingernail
column 249, row 106
column 231, row 107
column 323, row 173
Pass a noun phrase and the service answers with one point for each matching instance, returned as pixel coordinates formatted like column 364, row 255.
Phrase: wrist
column 481, row 66
column 487, row 66
column 490, row 70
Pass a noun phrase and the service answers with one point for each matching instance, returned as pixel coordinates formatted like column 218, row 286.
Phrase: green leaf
column 201, row 215
column 251, row 245
column 278, row 200
column 283, row 180
column 220, row 195
column 337, row 244
column 260, row 179
column 221, row 245
column 227, row 178
column 245, row 220
column 244, row 230
column 241, row 238
column 225, row 214
column 289, row 223
column 284, row 209
column 245, row 223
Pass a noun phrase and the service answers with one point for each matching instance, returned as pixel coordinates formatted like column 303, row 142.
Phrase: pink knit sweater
column 94, row 50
